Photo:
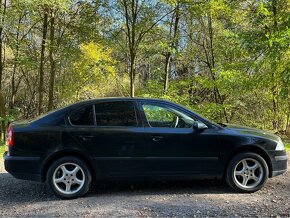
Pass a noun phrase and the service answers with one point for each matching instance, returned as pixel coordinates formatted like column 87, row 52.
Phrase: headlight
column 280, row 146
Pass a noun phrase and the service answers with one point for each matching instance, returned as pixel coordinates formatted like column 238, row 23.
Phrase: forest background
column 229, row 60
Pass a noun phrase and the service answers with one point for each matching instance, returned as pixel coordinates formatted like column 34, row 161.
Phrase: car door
column 174, row 146
column 115, row 139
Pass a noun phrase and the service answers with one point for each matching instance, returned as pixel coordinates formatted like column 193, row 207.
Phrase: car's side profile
column 138, row 138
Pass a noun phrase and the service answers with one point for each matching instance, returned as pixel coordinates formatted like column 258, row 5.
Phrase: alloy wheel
column 68, row 178
column 248, row 173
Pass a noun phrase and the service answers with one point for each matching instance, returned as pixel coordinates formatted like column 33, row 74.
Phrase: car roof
column 124, row 99
column 118, row 99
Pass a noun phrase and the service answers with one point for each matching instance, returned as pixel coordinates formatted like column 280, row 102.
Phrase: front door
column 174, row 146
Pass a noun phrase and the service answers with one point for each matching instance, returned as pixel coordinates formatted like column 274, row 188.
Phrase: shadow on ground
column 15, row 190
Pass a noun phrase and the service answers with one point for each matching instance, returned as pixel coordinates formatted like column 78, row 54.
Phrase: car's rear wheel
column 69, row 177
column 247, row 172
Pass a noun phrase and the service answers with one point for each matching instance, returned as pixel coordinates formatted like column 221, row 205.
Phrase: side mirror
column 199, row 126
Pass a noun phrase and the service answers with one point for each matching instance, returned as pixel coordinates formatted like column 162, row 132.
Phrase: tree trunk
column 131, row 22
column 1, row 58
column 174, row 45
column 2, row 114
column 2, row 103
column 133, row 49
column 41, row 67
column 211, row 65
column 287, row 129
column 273, row 74
column 132, row 75
column 13, row 86
column 52, row 63
column 3, row 12
column 167, row 71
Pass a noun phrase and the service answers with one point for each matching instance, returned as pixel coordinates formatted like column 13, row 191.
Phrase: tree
column 42, row 56
column 140, row 18
column 51, row 59
column 173, row 42
column 3, row 6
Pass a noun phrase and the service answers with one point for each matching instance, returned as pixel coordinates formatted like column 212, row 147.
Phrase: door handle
column 157, row 138
column 86, row 137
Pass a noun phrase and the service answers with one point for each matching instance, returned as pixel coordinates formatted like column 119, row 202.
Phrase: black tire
column 235, row 182
column 84, row 172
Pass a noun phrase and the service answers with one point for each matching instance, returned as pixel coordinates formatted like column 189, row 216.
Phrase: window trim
column 94, row 115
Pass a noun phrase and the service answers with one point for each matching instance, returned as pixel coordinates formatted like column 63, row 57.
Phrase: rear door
column 116, row 138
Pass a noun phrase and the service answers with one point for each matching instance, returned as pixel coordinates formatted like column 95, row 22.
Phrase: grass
column 2, row 149
column 287, row 146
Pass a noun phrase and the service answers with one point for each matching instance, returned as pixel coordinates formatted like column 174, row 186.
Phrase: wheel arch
column 61, row 154
column 253, row 149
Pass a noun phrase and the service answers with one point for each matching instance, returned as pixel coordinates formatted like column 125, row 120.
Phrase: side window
column 116, row 114
column 83, row 116
column 164, row 116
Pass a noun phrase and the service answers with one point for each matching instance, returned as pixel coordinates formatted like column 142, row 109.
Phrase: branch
column 127, row 23
column 142, row 33
column 28, row 31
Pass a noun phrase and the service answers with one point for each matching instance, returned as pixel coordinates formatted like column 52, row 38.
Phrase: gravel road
column 170, row 199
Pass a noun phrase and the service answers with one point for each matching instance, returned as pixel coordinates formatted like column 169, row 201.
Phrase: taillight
column 10, row 137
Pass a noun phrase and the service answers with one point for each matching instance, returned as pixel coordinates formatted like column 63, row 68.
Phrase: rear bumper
column 279, row 161
column 28, row 168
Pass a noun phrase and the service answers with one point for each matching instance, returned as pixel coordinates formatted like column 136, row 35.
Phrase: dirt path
column 195, row 199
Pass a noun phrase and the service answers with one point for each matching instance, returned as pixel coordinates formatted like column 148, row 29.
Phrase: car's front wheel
column 247, row 172
column 69, row 177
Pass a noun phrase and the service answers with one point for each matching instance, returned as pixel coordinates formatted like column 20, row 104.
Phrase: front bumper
column 279, row 160
column 28, row 168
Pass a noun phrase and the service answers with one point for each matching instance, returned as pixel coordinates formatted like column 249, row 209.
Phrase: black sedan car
column 138, row 138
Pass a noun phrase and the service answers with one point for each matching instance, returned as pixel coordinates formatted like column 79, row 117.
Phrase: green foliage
column 95, row 60
column 2, row 150
column 287, row 146
column 11, row 115
column 93, row 67
column 158, row 114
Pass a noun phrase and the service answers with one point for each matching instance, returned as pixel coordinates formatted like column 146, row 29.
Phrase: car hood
column 251, row 131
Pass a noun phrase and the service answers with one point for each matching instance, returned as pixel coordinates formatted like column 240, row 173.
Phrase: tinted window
column 164, row 116
column 116, row 114
column 83, row 116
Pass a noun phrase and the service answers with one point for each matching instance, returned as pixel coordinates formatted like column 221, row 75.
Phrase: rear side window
column 83, row 116
column 116, row 114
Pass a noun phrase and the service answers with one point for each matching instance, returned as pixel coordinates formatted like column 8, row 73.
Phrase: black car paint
column 136, row 152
